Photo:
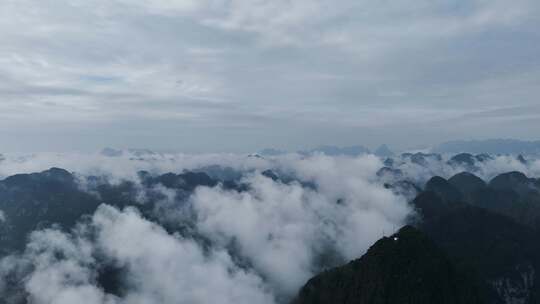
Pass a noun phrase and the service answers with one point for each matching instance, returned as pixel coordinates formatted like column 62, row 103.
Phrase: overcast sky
column 241, row 75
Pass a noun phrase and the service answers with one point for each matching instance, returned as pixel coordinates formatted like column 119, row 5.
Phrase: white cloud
column 160, row 268
column 284, row 229
column 164, row 268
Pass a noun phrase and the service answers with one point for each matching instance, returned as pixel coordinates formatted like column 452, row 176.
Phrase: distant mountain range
column 382, row 151
column 489, row 146
column 334, row 151
column 493, row 146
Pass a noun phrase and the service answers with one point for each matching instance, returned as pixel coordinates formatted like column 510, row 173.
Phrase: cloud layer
column 258, row 244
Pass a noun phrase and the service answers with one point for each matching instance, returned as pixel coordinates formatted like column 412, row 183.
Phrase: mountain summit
column 406, row 268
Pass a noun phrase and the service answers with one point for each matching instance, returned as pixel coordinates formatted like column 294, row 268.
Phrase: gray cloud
column 294, row 74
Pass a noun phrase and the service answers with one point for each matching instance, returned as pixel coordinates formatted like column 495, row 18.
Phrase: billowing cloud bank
column 159, row 267
column 254, row 244
column 284, row 229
